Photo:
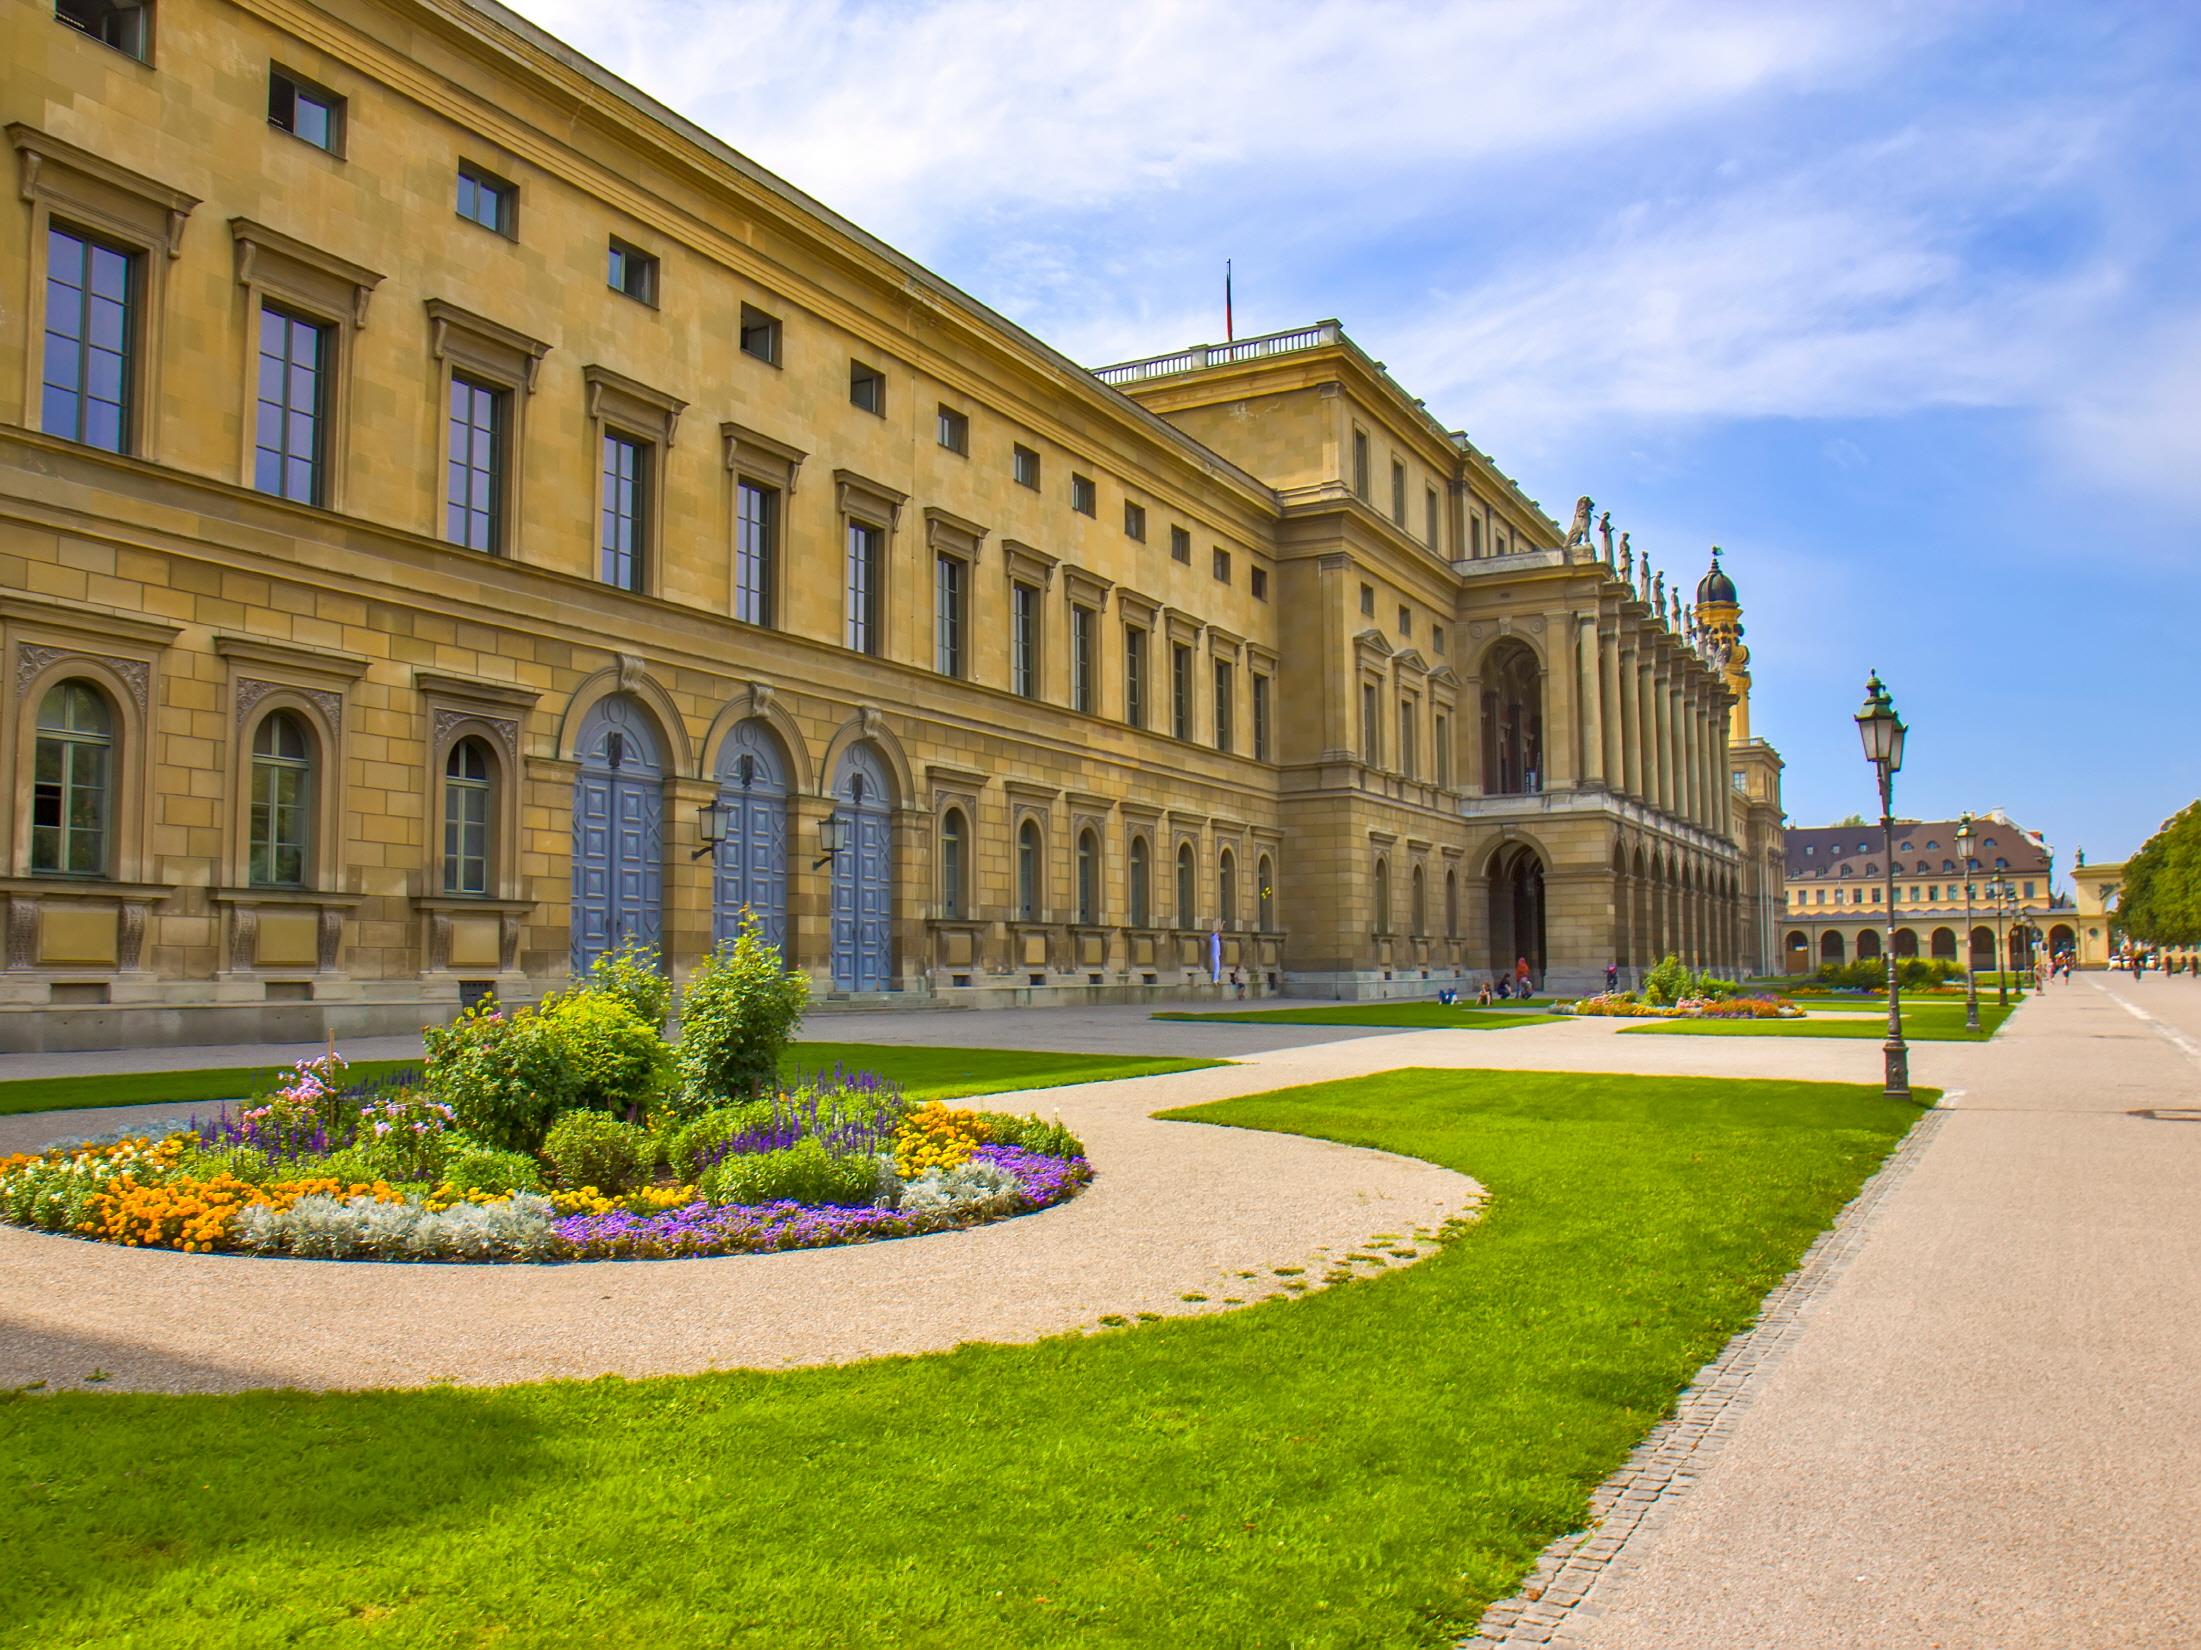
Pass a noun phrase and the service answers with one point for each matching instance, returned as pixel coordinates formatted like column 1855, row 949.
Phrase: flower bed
column 568, row 1131
column 1628, row 1006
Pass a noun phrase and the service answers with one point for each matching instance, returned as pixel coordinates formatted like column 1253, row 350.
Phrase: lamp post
column 2000, row 889
column 1881, row 731
column 1964, row 838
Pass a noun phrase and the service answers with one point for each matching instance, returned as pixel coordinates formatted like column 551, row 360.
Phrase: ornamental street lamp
column 2000, row 890
column 711, row 827
column 832, row 839
column 1881, row 731
column 1965, row 836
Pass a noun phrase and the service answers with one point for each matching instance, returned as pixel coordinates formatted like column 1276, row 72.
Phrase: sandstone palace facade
column 455, row 515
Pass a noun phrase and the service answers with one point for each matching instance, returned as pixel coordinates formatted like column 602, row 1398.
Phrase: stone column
column 1560, row 711
column 1591, row 702
column 1631, row 721
column 1671, row 759
column 1468, row 739
column 1692, row 723
column 1609, row 713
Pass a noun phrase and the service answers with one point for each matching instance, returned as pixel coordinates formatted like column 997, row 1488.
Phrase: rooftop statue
column 1579, row 532
column 1605, row 532
column 1627, row 558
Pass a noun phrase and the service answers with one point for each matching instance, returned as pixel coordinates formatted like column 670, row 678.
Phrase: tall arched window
column 1226, row 888
column 1383, row 896
column 1088, row 878
column 468, row 793
column 1265, row 869
column 952, row 863
column 1141, row 878
column 1028, row 868
column 282, row 802
column 70, row 788
column 1451, row 905
column 1419, row 908
column 1187, row 887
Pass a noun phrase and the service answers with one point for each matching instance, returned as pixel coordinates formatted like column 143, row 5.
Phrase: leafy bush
column 501, row 1076
column 1871, row 973
column 696, row 1145
column 469, row 1166
column 804, row 1172
column 239, row 1162
column 618, row 1061
column 1667, row 982
column 740, row 1008
column 633, row 975
column 962, row 1189
column 404, row 1137
column 1032, row 1132
column 589, row 1148
column 364, row 1228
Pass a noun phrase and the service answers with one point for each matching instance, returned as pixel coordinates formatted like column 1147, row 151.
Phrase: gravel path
column 1176, row 1209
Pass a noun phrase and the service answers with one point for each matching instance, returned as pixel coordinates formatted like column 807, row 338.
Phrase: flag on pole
column 1230, row 329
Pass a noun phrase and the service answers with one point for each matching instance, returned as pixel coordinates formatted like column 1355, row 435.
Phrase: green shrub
column 247, row 1163
column 351, row 1166
column 1031, row 1132
column 740, row 1008
column 634, row 975
column 470, row 1166
column 802, row 1173
column 1667, row 983
column 618, row 1061
column 589, row 1148
column 689, row 1148
column 404, row 1135
column 503, row 1079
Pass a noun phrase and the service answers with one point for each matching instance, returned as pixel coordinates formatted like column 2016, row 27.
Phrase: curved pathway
column 1177, row 1209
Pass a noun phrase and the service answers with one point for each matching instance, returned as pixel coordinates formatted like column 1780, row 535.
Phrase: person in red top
column 1520, row 977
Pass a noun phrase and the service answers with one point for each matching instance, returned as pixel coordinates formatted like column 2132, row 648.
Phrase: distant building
column 2096, row 887
column 1836, row 879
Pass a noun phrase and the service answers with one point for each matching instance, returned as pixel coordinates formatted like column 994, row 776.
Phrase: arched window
column 1088, row 878
column 1226, row 885
column 1187, row 882
column 467, row 796
column 1141, row 877
column 1420, row 902
column 952, row 862
column 1028, row 871
column 1383, row 896
column 282, row 802
column 70, row 788
column 1451, row 905
column 1266, row 871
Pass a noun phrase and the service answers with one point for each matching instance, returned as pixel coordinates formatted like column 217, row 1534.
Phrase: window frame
column 1136, row 639
column 954, row 863
column 280, row 272
column 1085, row 669
column 867, row 388
column 1090, row 878
column 1262, row 713
column 643, row 275
column 1026, row 624
column 304, row 808
column 457, row 822
column 1085, row 496
column 287, row 86
column 1024, row 466
column 757, row 566
column 618, row 406
column 951, row 599
column 1180, row 545
column 639, row 552
column 759, row 321
column 952, row 430
column 130, row 374
column 1224, row 676
column 502, row 190
column 1257, row 583
column 106, row 788
column 293, row 323
column 1134, row 521
column 1219, row 565
column 143, row 10
column 1031, row 870
column 499, row 442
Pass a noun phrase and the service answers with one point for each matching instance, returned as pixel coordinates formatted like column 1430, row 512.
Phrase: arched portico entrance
column 618, row 831
column 1517, row 909
column 863, row 873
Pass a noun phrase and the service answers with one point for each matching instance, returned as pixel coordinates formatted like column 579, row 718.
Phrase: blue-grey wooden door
column 863, row 876
column 752, row 865
column 618, row 832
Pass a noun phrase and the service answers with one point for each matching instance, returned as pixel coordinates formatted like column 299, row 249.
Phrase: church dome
column 1716, row 586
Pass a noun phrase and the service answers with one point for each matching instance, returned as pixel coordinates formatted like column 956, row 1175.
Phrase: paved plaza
column 1964, row 1424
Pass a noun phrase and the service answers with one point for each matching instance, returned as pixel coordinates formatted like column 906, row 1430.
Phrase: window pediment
column 949, row 534
column 1026, row 563
column 868, row 500
column 615, row 398
column 291, row 269
column 484, row 346
column 86, row 186
column 761, row 455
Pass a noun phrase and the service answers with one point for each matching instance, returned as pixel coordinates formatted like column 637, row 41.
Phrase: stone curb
column 1564, row 1584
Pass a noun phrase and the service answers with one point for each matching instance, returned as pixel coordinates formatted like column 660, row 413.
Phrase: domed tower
column 1720, row 613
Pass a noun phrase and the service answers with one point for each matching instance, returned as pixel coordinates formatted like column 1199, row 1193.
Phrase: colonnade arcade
column 1668, row 899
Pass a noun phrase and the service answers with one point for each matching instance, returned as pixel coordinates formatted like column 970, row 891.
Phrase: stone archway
column 618, row 830
column 1517, row 910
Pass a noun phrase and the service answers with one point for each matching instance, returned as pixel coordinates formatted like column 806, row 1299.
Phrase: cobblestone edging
column 1564, row 1583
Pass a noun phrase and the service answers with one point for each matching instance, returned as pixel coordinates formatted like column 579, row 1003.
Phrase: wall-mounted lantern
column 832, row 839
column 711, row 820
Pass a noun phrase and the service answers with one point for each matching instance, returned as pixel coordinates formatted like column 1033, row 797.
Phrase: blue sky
column 1901, row 306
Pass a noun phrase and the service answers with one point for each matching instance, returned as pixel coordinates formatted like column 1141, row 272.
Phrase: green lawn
column 1417, row 1016
column 1932, row 1021
column 926, row 1073
column 1367, row 1466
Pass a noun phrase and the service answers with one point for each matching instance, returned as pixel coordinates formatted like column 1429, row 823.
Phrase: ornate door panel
column 863, row 876
column 618, row 833
column 752, row 866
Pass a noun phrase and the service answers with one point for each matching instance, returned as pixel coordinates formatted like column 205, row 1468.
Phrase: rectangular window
column 1180, row 544
column 290, row 436
column 91, row 334
column 626, row 484
column 865, row 544
column 1134, row 521
column 1180, row 682
column 1084, row 660
column 1024, row 640
column 1260, row 718
column 756, row 554
column 760, row 335
column 1368, row 601
column 1024, row 467
column 1360, row 464
column 630, row 270
column 1444, row 751
column 1084, row 496
column 473, row 505
column 1134, row 676
column 947, row 615
column 1225, row 706
column 1257, row 581
column 1409, row 738
column 1436, row 637
column 125, row 25
column 306, row 111
column 1406, row 620
column 867, row 388
column 1398, row 492
column 488, row 200
column 954, row 431
column 1429, row 517
column 1371, row 731
column 1220, row 566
